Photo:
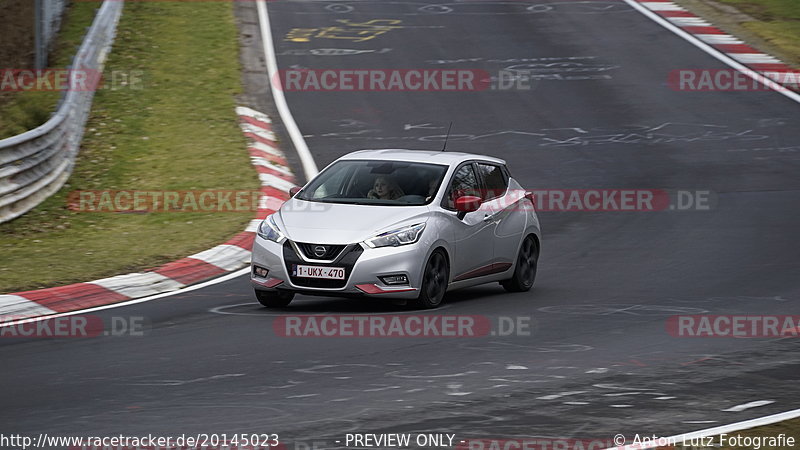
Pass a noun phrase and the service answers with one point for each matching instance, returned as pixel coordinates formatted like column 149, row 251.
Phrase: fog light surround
column 260, row 271
column 394, row 280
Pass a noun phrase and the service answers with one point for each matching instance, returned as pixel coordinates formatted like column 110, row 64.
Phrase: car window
column 375, row 182
column 464, row 182
column 333, row 183
column 495, row 182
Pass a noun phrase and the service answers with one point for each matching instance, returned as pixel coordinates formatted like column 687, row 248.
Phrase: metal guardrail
column 35, row 164
column 48, row 22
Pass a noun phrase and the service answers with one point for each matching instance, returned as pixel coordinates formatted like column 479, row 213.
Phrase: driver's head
column 386, row 187
column 382, row 186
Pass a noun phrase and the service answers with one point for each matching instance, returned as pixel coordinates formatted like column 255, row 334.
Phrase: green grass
column 178, row 131
column 23, row 111
column 778, row 22
column 790, row 428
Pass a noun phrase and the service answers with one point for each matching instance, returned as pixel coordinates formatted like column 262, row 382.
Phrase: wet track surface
column 599, row 359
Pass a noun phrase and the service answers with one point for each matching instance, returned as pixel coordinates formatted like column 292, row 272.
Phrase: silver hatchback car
column 400, row 224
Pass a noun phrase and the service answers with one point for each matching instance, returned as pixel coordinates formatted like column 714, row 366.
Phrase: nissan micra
column 399, row 224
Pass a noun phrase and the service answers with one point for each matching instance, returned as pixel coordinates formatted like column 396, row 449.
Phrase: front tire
column 525, row 272
column 435, row 279
column 273, row 299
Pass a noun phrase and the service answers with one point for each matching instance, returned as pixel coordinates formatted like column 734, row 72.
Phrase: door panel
column 511, row 223
column 473, row 237
column 501, row 203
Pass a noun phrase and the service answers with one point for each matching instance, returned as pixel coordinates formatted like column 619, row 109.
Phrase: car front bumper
column 363, row 268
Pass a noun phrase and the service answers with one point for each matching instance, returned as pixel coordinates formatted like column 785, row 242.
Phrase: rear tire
column 435, row 279
column 525, row 272
column 274, row 299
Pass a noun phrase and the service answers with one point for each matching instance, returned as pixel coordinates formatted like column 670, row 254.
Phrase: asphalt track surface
column 599, row 360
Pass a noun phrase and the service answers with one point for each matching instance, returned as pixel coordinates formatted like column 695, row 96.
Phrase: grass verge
column 778, row 22
column 759, row 438
column 176, row 130
column 25, row 110
column 773, row 25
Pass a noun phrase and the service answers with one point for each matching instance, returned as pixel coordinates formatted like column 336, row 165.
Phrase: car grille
column 347, row 257
column 310, row 250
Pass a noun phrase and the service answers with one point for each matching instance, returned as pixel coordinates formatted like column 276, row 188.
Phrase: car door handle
column 488, row 217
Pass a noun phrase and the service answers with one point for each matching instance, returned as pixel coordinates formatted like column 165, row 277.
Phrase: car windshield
column 376, row 182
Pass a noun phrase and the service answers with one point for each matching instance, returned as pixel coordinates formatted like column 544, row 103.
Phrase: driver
column 385, row 188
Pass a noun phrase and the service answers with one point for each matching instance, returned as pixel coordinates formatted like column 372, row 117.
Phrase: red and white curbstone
column 276, row 180
column 762, row 63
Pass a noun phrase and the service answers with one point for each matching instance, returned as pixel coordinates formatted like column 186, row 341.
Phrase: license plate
column 327, row 273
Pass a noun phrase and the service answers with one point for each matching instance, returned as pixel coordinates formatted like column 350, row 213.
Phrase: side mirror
column 467, row 204
column 293, row 191
column 529, row 195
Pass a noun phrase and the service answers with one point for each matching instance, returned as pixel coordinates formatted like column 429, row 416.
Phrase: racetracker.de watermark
column 146, row 201
column 401, row 325
column 598, row 200
column 712, row 80
column 621, row 200
column 315, row 80
column 735, row 326
column 565, row 200
column 74, row 326
column 21, row 80
column 407, row 80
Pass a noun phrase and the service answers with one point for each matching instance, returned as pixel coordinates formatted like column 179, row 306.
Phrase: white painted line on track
column 309, row 165
column 643, row 8
column 195, row 287
column 749, row 405
column 738, row 426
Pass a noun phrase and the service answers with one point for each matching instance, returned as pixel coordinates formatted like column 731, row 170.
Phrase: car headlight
column 401, row 236
column 269, row 230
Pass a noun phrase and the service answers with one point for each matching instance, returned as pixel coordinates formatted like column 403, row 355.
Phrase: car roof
column 423, row 156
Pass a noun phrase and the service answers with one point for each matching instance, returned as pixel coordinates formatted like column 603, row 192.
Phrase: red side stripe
column 483, row 271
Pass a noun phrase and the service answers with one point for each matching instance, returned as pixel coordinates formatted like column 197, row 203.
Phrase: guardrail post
column 40, row 42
